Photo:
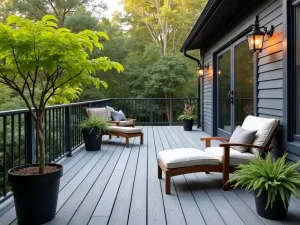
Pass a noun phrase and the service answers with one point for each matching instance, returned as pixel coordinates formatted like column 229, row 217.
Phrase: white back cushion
column 99, row 112
column 265, row 128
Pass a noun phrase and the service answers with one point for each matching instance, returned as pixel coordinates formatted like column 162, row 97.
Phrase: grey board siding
column 269, row 70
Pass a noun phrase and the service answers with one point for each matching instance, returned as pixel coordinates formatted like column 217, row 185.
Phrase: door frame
column 231, row 48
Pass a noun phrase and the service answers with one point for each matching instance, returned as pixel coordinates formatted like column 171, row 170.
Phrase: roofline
column 207, row 12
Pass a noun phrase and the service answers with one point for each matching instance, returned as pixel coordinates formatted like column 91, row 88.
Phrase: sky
column 112, row 5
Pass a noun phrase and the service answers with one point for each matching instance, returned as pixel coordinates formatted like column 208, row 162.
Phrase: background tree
column 167, row 21
column 36, row 9
column 38, row 54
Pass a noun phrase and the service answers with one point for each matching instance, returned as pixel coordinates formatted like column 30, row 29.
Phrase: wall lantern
column 200, row 70
column 219, row 72
column 256, row 36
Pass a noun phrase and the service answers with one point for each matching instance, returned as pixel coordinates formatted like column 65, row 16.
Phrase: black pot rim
column 45, row 177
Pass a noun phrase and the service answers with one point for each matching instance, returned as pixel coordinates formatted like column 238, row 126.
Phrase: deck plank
column 66, row 212
column 88, row 205
column 156, row 207
column 120, row 212
column 138, row 208
column 173, row 210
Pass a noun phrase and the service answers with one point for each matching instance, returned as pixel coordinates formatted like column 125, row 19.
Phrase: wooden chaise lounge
column 223, row 159
column 119, row 129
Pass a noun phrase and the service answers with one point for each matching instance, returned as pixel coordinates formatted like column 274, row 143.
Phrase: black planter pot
column 188, row 125
column 278, row 212
column 35, row 196
column 92, row 139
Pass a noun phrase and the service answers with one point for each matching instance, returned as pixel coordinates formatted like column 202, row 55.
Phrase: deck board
column 119, row 186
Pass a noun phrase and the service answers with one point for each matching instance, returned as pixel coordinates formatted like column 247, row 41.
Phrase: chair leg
column 109, row 136
column 225, row 168
column 127, row 142
column 142, row 139
column 168, row 183
column 225, row 179
column 159, row 172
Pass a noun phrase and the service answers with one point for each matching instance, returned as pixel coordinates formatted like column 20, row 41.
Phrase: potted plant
column 272, row 182
column 188, row 117
column 92, row 130
column 44, row 65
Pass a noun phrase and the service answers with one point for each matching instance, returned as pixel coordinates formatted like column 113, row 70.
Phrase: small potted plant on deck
column 273, row 182
column 45, row 64
column 188, row 117
column 92, row 131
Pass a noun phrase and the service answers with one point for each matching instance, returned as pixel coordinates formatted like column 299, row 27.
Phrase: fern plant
column 94, row 122
column 276, row 177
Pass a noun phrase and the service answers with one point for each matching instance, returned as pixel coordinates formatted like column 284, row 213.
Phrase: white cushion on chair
column 125, row 130
column 235, row 158
column 183, row 157
column 125, row 123
column 265, row 128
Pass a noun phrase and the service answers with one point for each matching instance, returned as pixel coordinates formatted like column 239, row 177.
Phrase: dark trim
column 255, row 84
column 202, row 20
column 215, row 95
column 291, row 142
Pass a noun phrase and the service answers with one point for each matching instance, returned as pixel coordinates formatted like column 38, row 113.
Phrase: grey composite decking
column 119, row 185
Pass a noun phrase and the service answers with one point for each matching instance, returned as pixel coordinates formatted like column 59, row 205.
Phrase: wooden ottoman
column 126, row 132
column 180, row 161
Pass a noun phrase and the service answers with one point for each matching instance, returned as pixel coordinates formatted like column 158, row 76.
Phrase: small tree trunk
column 41, row 140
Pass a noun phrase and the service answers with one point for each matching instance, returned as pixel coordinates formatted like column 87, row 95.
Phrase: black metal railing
column 18, row 141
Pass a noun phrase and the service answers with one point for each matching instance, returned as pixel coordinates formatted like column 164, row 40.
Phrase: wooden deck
column 119, row 185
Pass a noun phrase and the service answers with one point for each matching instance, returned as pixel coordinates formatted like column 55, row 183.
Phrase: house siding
column 269, row 66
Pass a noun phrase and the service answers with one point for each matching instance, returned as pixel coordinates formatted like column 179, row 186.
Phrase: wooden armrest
column 209, row 139
column 131, row 119
column 215, row 138
column 247, row 145
column 117, row 123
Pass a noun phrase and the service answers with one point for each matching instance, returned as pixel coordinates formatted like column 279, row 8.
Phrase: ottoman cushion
column 125, row 130
column 183, row 157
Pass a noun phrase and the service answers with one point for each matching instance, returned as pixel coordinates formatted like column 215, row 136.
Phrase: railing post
column 151, row 112
column 29, row 142
column 68, row 131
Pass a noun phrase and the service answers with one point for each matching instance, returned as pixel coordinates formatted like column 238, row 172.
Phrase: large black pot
column 277, row 212
column 35, row 196
column 188, row 125
column 92, row 139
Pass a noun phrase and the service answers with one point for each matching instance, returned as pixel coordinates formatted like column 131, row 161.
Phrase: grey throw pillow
column 109, row 110
column 118, row 116
column 242, row 136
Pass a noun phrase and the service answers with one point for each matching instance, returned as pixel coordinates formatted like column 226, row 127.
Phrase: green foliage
column 188, row 113
column 94, row 122
column 276, row 177
column 166, row 77
column 45, row 64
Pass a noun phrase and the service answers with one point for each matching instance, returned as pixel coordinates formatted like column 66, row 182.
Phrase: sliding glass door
column 234, row 87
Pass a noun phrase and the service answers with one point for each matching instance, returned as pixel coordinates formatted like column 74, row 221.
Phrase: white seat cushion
column 265, row 128
column 183, row 157
column 125, row 130
column 126, row 123
column 236, row 157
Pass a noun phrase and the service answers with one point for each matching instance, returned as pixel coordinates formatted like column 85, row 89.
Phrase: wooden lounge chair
column 223, row 159
column 104, row 113
column 117, row 128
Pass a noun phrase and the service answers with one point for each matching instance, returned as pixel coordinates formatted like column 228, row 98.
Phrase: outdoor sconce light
column 219, row 72
column 256, row 36
column 200, row 70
